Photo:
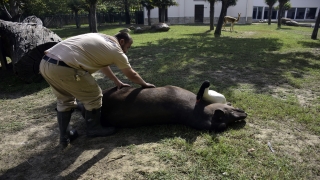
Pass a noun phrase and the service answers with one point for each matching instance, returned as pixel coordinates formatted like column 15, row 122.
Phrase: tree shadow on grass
column 314, row 44
column 227, row 62
column 12, row 87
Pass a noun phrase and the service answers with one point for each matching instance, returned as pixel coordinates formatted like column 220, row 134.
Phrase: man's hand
column 148, row 85
column 135, row 77
column 121, row 85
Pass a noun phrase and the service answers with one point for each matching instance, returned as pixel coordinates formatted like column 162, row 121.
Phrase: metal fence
column 59, row 21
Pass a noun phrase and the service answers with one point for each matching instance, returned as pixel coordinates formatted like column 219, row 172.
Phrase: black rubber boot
column 94, row 128
column 66, row 134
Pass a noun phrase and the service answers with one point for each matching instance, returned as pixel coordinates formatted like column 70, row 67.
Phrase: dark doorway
column 198, row 13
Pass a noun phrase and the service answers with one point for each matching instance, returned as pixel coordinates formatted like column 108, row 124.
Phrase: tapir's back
column 129, row 106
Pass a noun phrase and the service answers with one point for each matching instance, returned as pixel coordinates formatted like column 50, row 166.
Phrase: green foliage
column 47, row 7
column 119, row 5
column 286, row 6
column 270, row 2
column 75, row 5
column 164, row 3
column 12, row 8
column 229, row 2
column 147, row 4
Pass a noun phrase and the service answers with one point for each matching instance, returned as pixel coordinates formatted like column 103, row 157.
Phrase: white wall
column 245, row 7
column 294, row 3
column 186, row 8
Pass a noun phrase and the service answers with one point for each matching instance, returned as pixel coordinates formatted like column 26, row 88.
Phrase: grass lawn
column 273, row 74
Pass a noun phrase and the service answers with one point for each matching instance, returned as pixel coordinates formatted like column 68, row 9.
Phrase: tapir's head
column 222, row 115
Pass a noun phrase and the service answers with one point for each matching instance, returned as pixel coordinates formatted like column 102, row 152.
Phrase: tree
column 212, row 13
column 75, row 6
column 281, row 7
column 93, row 15
column 163, row 5
column 148, row 5
column 13, row 9
column 126, row 5
column 316, row 28
column 270, row 3
column 126, row 11
column 224, row 8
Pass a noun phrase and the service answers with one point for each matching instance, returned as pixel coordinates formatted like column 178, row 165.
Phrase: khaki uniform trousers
column 66, row 87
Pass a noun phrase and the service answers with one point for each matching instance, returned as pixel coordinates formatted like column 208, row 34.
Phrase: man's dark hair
column 123, row 35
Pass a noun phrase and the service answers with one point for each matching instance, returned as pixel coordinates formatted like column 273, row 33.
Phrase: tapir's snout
column 238, row 114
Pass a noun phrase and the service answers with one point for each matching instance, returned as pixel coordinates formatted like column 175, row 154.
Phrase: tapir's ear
column 218, row 115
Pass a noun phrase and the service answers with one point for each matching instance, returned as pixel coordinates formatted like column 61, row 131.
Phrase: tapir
column 132, row 107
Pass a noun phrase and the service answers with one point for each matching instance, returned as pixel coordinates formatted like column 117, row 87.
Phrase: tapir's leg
column 205, row 125
column 219, row 127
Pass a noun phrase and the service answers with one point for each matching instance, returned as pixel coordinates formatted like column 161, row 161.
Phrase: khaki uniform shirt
column 90, row 52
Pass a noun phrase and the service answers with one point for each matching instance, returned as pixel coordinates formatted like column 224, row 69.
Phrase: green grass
column 273, row 74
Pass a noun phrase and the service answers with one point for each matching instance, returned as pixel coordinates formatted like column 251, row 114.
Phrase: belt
column 57, row 62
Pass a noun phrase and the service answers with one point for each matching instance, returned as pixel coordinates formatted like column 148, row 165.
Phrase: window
column 311, row 13
column 266, row 13
column 291, row 12
column 274, row 14
column 300, row 13
column 254, row 13
column 257, row 12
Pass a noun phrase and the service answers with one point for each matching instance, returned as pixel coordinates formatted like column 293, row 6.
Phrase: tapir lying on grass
column 132, row 107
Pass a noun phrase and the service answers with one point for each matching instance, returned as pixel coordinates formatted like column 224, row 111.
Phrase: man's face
column 125, row 46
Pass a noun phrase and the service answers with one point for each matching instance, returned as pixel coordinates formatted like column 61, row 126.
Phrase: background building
column 197, row 11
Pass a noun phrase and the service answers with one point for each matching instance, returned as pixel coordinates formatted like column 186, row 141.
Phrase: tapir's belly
column 147, row 106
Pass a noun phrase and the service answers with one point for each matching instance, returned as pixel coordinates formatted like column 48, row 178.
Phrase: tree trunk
column 126, row 9
column 269, row 14
column 316, row 28
column 163, row 14
column 24, row 43
column 211, row 15
column 149, row 19
column 217, row 32
column 76, row 16
column 14, row 10
column 89, row 21
column 93, row 17
column 280, row 15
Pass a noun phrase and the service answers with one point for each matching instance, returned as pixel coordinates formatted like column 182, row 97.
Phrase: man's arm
column 135, row 78
column 108, row 72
